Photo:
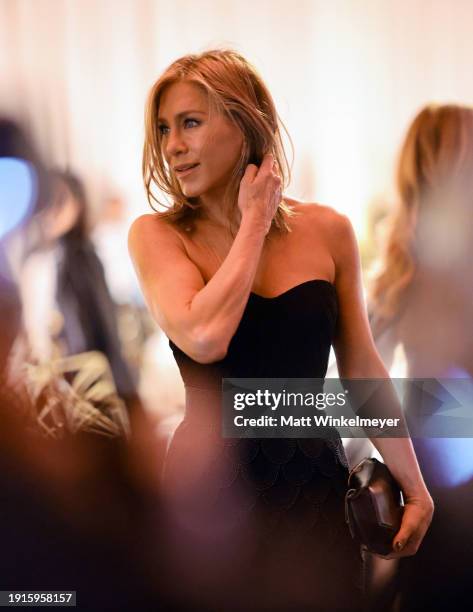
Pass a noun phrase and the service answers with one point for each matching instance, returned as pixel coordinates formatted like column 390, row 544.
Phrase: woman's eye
column 163, row 130
column 190, row 123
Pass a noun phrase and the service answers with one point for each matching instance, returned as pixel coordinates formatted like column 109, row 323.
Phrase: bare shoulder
column 332, row 230
column 151, row 227
column 320, row 217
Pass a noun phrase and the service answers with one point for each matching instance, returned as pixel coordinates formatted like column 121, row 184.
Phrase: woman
column 247, row 283
column 429, row 246
column 423, row 300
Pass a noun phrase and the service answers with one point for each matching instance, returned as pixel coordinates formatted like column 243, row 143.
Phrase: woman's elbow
column 206, row 348
column 197, row 342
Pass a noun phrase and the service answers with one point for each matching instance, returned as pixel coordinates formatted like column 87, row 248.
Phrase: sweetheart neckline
column 280, row 295
column 287, row 291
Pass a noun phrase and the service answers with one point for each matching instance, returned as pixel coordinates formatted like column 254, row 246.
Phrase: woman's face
column 201, row 148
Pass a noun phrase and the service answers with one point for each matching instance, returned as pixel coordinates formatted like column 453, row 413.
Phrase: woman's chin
column 190, row 192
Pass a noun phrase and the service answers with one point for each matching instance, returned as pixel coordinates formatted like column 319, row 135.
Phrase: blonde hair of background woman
column 233, row 87
column 435, row 168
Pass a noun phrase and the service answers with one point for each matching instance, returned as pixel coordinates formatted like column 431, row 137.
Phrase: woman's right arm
column 200, row 318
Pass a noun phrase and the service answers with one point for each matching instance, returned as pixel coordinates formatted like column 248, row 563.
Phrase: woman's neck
column 225, row 217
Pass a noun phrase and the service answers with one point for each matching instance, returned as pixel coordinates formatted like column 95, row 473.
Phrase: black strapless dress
column 258, row 524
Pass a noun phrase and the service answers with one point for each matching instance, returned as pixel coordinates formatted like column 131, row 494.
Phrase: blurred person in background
column 68, row 307
column 81, row 512
column 423, row 301
column 248, row 283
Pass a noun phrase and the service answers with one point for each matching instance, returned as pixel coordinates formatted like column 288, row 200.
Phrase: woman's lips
column 184, row 171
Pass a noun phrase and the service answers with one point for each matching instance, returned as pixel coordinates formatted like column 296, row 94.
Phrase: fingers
column 269, row 167
column 250, row 173
column 415, row 522
column 408, row 549
column 405, row 533
column 261, row 189
column 267, row 163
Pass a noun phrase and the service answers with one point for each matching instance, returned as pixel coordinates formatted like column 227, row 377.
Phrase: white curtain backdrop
column 347, row 76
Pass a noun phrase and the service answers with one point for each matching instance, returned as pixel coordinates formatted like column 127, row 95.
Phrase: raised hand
column 260, row 192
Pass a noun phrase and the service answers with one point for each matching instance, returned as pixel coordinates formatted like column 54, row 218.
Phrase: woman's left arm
column 357, row 357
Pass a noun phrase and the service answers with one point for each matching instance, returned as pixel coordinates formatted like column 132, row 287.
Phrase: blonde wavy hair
column 435, row 167
column 234, row 88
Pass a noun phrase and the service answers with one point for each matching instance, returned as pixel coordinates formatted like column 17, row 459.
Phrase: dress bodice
column 288, row 335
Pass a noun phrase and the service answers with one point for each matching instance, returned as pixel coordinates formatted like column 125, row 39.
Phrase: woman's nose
column 175, row 144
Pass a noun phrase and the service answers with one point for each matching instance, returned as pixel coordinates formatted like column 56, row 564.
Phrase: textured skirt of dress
column 259, row 524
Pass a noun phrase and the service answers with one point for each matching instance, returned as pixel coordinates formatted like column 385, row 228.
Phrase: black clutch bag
column 373, row 506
